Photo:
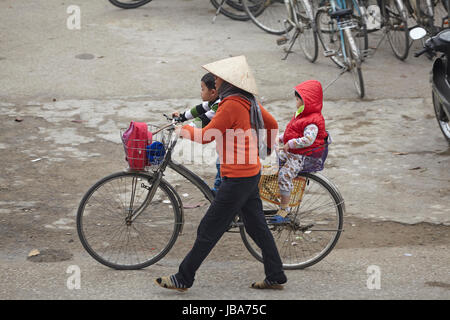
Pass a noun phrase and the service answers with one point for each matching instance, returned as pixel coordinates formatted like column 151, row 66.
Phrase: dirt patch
column 363, row 233
column 438, row 284
column 50, row 255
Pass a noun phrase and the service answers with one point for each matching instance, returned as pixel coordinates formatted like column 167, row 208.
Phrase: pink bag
column 135, row 141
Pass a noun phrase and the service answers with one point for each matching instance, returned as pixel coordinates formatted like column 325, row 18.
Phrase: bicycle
column 358, row 15
column 335, row 28
column 129, row 4
column 230, row 8
column 392, row 18
column 234, row 9
column 131, row 219
column 290, row 14
column 429, row 14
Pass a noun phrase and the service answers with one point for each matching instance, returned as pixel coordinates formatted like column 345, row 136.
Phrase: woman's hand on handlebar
column 178, row 130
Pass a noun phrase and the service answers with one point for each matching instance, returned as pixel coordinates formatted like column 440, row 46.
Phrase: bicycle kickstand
column 291, row 44
column 344, row 70
column 218, row 11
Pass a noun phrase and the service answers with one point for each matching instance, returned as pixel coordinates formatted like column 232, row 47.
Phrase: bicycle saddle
column 341, row 12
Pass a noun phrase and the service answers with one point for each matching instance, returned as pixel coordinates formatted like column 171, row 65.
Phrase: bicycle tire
column 355, row 68
column 235, row 10
column 108, row 198
column 277, row 230
column 390, row 18
column 129, row 4
column 309, row 47
column 329, row 36
column 272, row 15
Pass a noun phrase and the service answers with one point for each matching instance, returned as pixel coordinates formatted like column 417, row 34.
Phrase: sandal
column 170, row 283
column 267, row 285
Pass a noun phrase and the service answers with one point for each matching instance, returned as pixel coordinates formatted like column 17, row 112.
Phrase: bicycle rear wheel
column 129, row 4
column 272, row 16
column 313, row 229
column 234, row 9
column 395, row 19
column 108, row 235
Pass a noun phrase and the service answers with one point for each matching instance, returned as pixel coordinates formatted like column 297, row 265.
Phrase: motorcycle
column 440, row 74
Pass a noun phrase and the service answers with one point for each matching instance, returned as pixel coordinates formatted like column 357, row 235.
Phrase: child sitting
column 304, row 135
column 204, row 112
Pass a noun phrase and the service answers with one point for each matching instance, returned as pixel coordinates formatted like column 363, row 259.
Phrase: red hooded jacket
column 312, row 95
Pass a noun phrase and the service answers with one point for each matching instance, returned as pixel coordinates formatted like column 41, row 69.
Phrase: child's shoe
column 281, row 216
column 283, row 212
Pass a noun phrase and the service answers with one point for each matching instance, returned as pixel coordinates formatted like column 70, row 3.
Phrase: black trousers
column 234, row 195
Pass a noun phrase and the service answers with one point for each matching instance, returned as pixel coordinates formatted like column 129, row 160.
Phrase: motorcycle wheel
column 441, row 117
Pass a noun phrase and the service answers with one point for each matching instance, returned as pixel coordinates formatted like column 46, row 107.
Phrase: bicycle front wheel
column 129, row 4
column 354, row 61
column 308, row 38
column 272, row 16
column 111, row 237
column 396, row 24
column 313, row 229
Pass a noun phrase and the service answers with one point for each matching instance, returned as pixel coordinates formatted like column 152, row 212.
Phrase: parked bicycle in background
column 336, row 29
column 280, row 17
column 432, row 15
column 230, row 8
column 391, row 17
column 129, row 4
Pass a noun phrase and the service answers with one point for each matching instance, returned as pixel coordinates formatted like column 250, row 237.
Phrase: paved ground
column 65, row 94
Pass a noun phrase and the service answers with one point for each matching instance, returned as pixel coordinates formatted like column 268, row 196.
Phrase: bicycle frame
column 345, row 28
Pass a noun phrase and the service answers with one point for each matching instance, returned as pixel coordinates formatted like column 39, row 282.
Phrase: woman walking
column 238, row 114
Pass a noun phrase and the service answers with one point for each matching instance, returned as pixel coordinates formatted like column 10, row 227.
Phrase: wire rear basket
column 269, row 189
column 142, row 153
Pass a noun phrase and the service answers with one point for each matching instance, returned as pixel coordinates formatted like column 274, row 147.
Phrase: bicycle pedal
column 329, row 53
column 282, row 40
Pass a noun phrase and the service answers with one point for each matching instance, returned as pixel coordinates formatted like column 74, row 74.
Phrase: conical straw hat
column 236, row 71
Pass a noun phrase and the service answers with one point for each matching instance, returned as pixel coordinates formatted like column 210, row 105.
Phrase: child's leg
column 288, row 172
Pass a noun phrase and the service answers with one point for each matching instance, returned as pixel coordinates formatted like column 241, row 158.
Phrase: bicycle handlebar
column 421, row 52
